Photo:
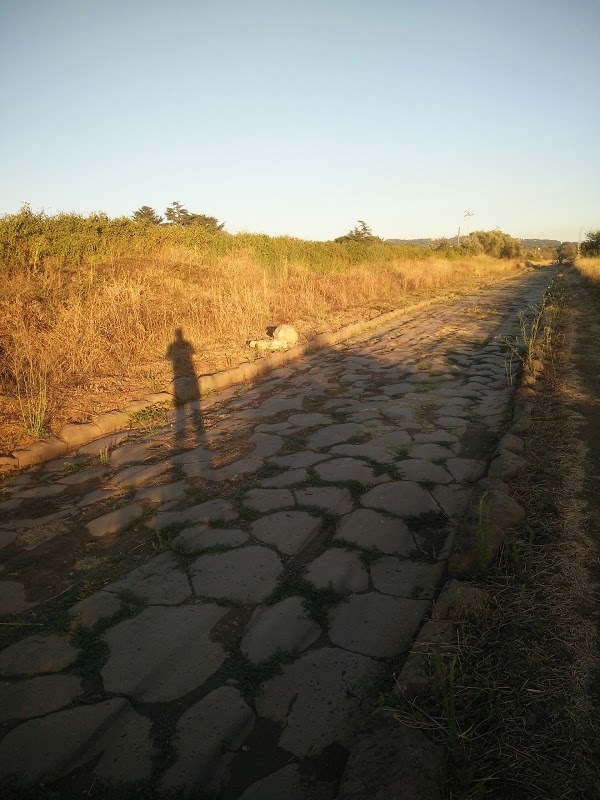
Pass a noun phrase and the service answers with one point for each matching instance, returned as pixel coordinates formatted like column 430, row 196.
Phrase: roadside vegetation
column 90, row 304
column 515, row 700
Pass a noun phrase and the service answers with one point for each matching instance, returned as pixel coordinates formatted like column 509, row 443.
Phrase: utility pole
column 458, row 237
column 468, row 214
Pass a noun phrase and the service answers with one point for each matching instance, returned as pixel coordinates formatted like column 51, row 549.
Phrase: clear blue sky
column 301, row 116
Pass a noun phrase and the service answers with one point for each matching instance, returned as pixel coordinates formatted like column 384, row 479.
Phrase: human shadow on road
column 186, row 390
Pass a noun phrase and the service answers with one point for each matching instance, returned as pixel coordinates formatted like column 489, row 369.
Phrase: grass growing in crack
column 150, row 418
column 94, row 651
column 368, row 555
column 317, row 601
column 250, row 676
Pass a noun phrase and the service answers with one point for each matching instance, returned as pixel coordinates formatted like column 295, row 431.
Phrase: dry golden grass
column 95, row 331
column 588, row 267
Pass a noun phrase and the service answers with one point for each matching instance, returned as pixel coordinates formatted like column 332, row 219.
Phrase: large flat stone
column 368, row 529
column 37, row 696
column 246, row 575
column 200, row 537
column 45, row 749
column 210, row 511
column 37, row 655
column 287, row 783
column 332, row 499
column 301, row 460
column 289, row 478
column 163, row 493
column 465, row 470
column 339, row 569
column 115, row 521
column 12, row 598
column 391, row 440
column 288, row 531
column 410, row 579
column 131, row 453
column 346, row 469
column 135, row 476
column 333, row 434
column 268, row 499
column 97, row 606
column 163, row 653
column 318, row 699
column 219, row 722
column 284, row 626
column 160, row 582
column 422, row 471
column 376, row 624
column 403, row 498
column 374, row 453
column 243, row 466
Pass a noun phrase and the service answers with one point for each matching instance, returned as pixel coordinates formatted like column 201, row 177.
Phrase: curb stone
column 185, row 390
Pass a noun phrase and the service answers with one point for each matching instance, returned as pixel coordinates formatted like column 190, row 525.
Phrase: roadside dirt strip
column 213, row 609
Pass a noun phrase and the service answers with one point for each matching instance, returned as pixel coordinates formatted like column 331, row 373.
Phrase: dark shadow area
column 186, row 389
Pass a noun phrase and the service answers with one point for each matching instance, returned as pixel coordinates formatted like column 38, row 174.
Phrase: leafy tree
column 566, row 251
column 591, row 246
column 179, row 215
column 493, row 243
column 147, row 216
column 361, row 233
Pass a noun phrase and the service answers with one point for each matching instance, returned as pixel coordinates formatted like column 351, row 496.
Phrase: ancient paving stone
column 376, row 624
column 345, row 469
column 436, row 436
column 7, row 537
column 288, row 531
column 308, row 420
column 333, row 434
column 288, row 478
column 318, row 698
column 36, row 655
column 46, row 749
column 37, row 696
column 268, row 499
column 392, row 439
column 97, row 606
column 272, row 427
column 368, row 529
column 339, row 569
column 265, row 444
column 289, row 783
column 193, row 456
column 503, row 511
column 378, row 454
column 506, row 465
column 403, row 498
column 104, row 443
column 512, row 443
column 163, row 653
column 397, row 389
column 419, row 470
column 451, row 422
column 412, row 579
column 393, row 760
column 220, row 721
column 162, row 493
column 243, row 466
column 200, row 537
column 284, row 626
column 138, row 475
column 246, row 575
column 305, row 458
column 332, row 499
column 10, row 505
column 452, row 499
column 160, row 581
column 115, row 521
column 276, row 404
column 86, row 475
column 210, row 511
column 131, row 453
column 465, row 470
column 95, row 497
column 12, row 598
column 430, row 452
column 41, row 491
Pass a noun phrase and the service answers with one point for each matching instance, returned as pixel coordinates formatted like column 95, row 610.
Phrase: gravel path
column 272, row 554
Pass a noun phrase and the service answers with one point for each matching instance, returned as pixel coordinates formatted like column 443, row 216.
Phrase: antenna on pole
column 469, row 213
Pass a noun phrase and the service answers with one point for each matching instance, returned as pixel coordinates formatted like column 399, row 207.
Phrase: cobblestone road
column 247, row 577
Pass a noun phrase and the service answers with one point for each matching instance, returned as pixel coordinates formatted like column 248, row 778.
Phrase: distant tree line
column 176, row 214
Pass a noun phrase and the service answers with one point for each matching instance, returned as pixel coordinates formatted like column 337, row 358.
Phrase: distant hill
column 428, row 242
